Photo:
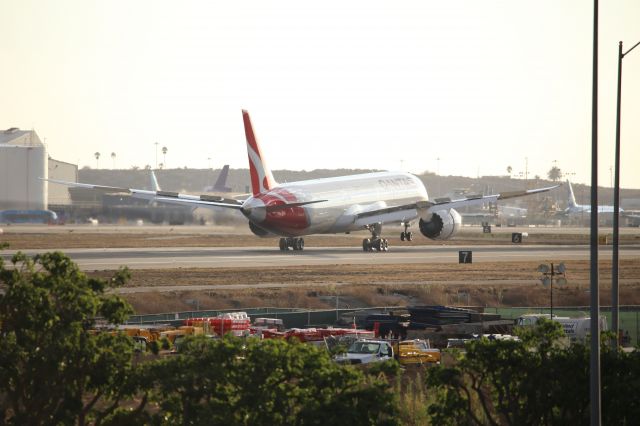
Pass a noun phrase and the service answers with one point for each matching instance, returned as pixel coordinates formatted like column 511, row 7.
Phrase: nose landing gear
column 289, row 242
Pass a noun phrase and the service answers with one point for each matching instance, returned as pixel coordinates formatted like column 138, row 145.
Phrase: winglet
column 261, row 177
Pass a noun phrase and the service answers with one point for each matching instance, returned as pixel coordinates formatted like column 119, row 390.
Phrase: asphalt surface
column 164, row 258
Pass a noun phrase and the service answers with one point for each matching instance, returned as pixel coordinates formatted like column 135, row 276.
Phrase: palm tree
column 113, row 157
column 554, row 174
column 509, row 170
column 97, row 155
column 164, row 155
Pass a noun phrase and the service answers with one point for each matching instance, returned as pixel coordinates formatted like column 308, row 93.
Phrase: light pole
column 616, row 207
column 594, row 324
column 548, row 274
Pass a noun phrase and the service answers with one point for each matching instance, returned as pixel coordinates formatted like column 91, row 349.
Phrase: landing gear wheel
column 385, row 245
column 299, row 243
column 402, row 236
column 283, row 244
column 366, row 244
column 409, row 236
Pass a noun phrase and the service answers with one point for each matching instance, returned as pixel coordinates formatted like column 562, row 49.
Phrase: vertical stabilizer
column 572, row 197
column 261, row 177
column 153, row 182
column 221, row 182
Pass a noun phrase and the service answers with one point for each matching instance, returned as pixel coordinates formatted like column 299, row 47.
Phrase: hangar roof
column 15, row 136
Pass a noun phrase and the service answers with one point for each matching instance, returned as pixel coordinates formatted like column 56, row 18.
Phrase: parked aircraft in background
column 332, row 205
column 605, row 212
column 221, row 183
column 28, row 216
column 574, row 208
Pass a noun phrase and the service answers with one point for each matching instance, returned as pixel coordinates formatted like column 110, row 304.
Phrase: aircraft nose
column 254, row 209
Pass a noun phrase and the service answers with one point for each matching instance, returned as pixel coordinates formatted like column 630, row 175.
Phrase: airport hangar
column 24, row 162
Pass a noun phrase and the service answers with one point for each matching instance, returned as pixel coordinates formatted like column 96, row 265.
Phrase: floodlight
column 544, row 268
column 561, row 281
column 545, row 281
column 561, row 268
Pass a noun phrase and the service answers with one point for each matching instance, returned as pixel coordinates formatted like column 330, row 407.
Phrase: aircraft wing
column 631, row 214
column 161, row 196
column 391, row 214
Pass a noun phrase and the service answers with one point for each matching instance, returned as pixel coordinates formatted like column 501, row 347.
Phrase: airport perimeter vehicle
column 366, row 352
column 576, row 329
column 28, row 216
column 333, row 205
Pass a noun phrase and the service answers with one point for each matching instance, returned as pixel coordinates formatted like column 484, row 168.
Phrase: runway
column 229, row 257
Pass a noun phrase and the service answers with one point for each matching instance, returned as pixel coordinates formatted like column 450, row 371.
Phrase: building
column 23, row 164
column 58, row 195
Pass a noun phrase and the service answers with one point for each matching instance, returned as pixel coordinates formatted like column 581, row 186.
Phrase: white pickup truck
column 366, row 352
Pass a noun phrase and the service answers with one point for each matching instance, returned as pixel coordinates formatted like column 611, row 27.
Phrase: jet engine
column 259, row 231
column 440, row 224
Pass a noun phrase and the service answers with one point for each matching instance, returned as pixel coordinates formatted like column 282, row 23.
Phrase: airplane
column 221, row 183
column 605, row 211
column 574, row 208
column 335, row 205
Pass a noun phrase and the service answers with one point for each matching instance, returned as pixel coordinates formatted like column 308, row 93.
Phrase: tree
column 97, row 155
column 509, row 170
column 268, row 382
column 555, row 174
column 535, row 381
column 164, row 154
column 113, row 157
column 52, row 369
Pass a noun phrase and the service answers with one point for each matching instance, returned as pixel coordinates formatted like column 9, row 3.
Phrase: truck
column 576, row 329
column 366, row 351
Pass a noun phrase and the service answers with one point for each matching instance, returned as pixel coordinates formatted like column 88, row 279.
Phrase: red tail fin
column 261, row 177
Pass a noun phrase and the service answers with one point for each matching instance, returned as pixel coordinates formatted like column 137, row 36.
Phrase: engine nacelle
column 442, row 225
column 259, row 231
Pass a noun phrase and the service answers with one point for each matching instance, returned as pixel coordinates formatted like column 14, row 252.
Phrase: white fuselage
column 343, row 199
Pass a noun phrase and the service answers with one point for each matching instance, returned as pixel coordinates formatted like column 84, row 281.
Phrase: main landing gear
column 375, row 242
column 405, row 235
column 294, row 243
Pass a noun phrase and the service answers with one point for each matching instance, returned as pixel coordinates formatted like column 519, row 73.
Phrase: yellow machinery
column 417, row 352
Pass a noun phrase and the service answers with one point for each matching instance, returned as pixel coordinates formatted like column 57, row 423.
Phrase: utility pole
column 156, row 144
column 615, row 263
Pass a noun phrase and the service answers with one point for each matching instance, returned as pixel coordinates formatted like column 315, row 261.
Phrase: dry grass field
column 486, row 284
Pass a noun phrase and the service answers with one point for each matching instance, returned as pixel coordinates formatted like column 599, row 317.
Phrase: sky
column 453, row 87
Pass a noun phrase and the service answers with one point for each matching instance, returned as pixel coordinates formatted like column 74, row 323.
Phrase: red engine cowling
column 442, row 225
